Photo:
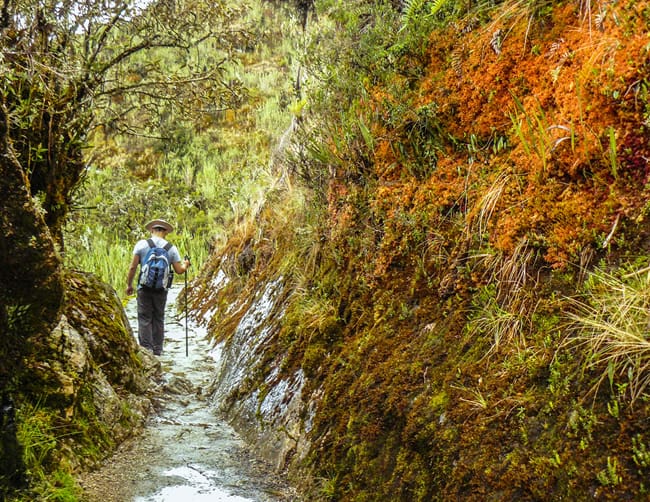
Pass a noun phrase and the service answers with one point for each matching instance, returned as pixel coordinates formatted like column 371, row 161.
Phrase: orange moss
column 574, row 82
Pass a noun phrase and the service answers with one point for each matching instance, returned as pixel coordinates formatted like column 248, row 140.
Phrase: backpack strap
column 167, row 247
column 152, row 244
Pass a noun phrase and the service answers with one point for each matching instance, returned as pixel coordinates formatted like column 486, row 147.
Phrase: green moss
column 37, row 433
column 94, row 438
column 60, row 486
column 312, row 360
column 94, row 309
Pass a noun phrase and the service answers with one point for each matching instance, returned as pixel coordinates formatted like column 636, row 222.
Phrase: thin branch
column 155, row 83
column 103, row 35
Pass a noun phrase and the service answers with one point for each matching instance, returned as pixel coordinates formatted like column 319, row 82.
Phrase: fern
column 412, row 8
column 436, row 6
column 416, row 8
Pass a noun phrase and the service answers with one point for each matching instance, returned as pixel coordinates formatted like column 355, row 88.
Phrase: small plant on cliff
column 609, row 476
column 40, row 439
column 612, row 322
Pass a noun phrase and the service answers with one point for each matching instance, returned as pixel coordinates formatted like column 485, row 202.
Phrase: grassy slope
column 431, row 310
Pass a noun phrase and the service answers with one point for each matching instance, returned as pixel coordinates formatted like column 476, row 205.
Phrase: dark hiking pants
column 151, row 319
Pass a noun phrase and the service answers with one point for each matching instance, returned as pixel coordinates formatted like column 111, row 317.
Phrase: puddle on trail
column 187, row 453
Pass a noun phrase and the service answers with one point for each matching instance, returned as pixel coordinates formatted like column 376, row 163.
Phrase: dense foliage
column 201, row 168
column 460, row 227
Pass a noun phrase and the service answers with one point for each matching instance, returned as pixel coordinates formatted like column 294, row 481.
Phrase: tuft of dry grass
column 612, row 322
column 505, row 314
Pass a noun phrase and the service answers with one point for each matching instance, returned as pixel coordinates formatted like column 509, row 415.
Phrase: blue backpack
column 155, row 271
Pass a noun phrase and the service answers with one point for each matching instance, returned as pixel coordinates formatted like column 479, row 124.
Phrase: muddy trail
column 186, row 453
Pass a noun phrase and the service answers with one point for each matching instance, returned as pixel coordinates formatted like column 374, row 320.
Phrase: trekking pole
column 186, row 335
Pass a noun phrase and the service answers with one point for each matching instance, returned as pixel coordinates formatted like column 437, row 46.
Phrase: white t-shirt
column 142, row 248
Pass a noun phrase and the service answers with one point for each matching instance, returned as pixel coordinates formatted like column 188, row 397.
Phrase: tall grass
column 40, row 440
column 535, row 136
column 503, row 310
column 612, row 151
column 108, row 256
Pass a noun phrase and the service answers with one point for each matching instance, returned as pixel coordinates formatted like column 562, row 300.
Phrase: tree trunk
column 31, row 292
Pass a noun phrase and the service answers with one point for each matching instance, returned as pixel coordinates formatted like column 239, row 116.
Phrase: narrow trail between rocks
column 186, row 453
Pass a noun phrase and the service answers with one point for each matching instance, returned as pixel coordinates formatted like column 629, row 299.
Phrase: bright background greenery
column 202, row 177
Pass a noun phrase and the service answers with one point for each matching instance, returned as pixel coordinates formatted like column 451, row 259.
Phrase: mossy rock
column 83, row 385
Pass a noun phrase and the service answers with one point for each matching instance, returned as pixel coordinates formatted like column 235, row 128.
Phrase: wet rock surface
column 185, row 452
column 269, row 413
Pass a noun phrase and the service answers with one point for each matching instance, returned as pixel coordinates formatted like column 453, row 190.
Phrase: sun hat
column 158, row 223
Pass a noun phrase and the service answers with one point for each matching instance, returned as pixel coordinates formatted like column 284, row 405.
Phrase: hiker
column 157, row 258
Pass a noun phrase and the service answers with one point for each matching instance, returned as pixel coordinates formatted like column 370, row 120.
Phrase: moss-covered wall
column 431, row 305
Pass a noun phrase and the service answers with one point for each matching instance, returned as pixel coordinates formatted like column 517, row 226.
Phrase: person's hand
column 187, row 262
column 129, row 290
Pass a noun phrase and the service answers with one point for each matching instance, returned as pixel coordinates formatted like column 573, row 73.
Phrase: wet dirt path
column 186, row 452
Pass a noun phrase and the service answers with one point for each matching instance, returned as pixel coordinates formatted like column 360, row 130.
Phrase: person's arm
column 181, row 267
column 129, row 278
